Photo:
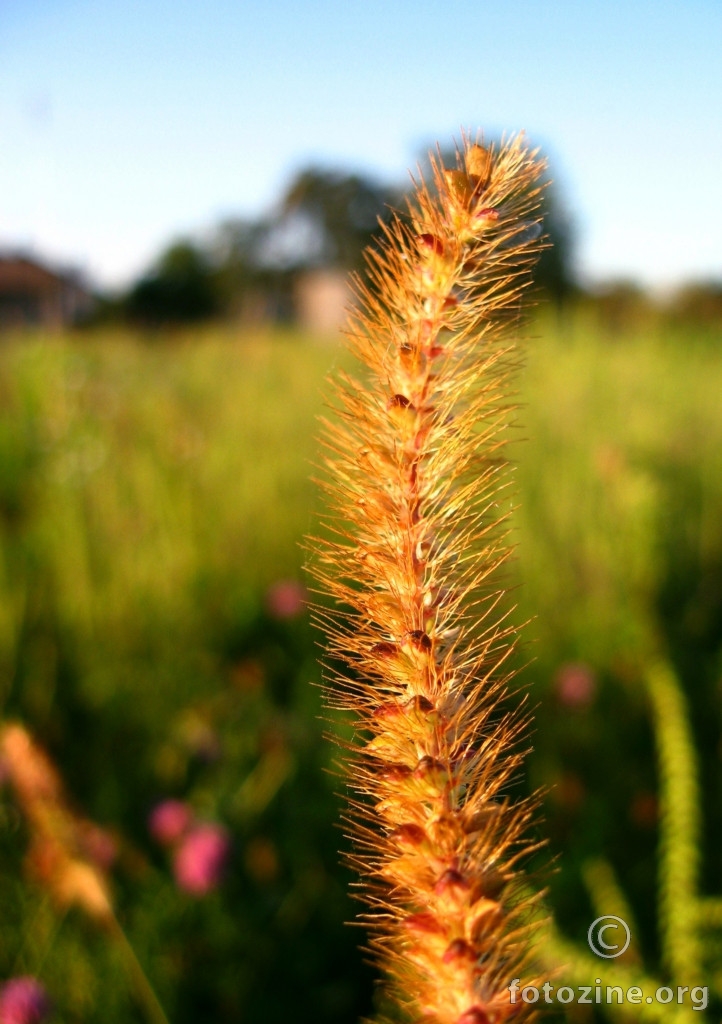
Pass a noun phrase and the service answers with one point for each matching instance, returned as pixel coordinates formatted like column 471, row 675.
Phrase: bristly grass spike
column 415, row 469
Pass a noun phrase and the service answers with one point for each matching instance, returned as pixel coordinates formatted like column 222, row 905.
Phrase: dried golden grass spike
column 416, row 534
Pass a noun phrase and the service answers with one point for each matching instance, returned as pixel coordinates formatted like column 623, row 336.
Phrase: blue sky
column 124, row 123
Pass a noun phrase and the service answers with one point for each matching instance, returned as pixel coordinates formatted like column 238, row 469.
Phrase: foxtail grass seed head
column 415, row 534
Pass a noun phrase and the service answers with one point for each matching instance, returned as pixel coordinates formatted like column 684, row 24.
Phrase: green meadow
column 154, row 496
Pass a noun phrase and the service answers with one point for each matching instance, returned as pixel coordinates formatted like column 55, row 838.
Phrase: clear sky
column 124, row 123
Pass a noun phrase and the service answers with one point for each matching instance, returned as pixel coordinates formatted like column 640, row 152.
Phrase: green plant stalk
column 709, row 913
column 679, row 825
column 608, row 897
column 143, row 990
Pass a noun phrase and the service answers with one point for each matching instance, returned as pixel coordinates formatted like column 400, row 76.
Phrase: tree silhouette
column 179, row 289
column 326, row 219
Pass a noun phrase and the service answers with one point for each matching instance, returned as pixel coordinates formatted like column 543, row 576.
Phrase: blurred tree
column 555, row 273
column 326, row 218
column 233, row 253
column 179, row 289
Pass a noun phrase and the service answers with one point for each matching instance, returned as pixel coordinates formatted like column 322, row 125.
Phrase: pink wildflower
column 201, row 858
column 169, row 821
column 286, row 599
column 23, row 1001
column 575, row 685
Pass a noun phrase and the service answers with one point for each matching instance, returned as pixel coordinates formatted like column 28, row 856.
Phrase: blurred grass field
column 152, row 494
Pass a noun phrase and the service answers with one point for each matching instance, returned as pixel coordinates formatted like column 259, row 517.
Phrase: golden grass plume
column 419, row 500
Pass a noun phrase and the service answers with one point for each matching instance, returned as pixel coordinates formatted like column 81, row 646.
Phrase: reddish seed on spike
column 427, row 765
column 475, row 1015
column 458, row 950
column 451, row 882
column 481, row 221
column 432, row 243
column 420, row 704
column 409, row 835
column 420, row 640
column 384, row 649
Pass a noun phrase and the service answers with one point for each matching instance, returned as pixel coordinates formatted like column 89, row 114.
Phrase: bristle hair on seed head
column 416, row 478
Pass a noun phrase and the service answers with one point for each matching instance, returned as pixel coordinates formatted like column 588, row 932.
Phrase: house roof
column 20, row 272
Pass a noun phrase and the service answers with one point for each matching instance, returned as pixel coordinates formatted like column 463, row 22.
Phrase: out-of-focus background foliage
column 157, row 444
column 153, row 493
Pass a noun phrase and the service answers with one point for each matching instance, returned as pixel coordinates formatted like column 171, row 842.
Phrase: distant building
column 32, row 295
column 322, row 300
